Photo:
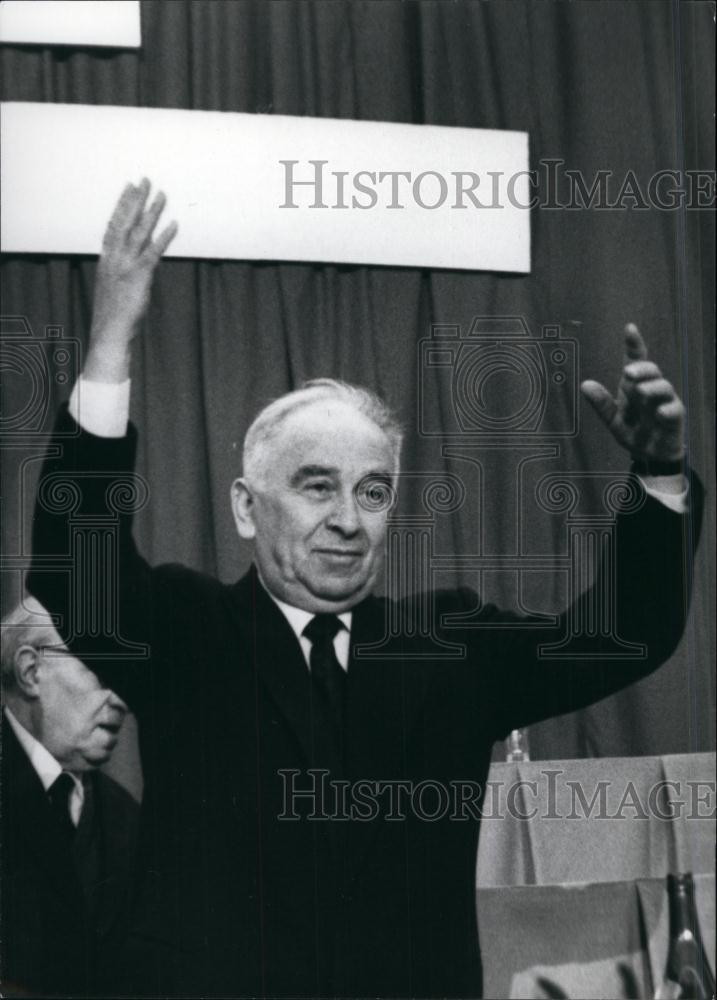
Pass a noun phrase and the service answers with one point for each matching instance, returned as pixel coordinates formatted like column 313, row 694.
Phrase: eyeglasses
column 59, row 650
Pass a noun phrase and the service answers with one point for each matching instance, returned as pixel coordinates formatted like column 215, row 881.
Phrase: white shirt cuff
column 675, row 501
column 101, row 408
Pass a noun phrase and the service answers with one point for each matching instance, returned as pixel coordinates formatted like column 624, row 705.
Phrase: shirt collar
column 48, row 769
column 298, row 618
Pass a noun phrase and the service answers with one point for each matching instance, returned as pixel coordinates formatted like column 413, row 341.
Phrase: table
column 601, row 820
column 572, row 901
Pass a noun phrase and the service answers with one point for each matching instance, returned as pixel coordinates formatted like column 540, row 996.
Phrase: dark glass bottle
column 687, row 972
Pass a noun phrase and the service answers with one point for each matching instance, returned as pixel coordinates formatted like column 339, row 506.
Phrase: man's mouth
column 111, row 727
column 340, row 555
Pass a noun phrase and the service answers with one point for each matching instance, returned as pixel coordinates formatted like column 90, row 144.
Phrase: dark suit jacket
column 239, row 900
column 63, row 923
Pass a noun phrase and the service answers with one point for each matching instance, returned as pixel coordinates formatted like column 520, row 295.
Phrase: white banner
column 110, row 23
column 269, row 187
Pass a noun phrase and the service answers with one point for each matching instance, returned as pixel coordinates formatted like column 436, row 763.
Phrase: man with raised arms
column 249, row 682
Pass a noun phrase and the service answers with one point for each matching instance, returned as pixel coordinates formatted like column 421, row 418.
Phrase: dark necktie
column 328, row 678
column 59, row 794
column 328, row 683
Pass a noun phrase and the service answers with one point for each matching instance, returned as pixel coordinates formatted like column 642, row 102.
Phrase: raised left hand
column 647, row 416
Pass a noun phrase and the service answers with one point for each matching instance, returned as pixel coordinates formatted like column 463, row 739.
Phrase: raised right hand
column 124, row 279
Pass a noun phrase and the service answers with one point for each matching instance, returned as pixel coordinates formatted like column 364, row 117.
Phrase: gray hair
column 268, row 422
column 28, row 624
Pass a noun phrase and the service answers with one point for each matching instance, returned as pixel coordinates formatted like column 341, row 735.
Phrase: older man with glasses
column 68, row 830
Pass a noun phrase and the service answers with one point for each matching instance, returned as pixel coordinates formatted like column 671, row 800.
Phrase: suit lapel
column 385, row 697
column 30, row 826
column 279, row 667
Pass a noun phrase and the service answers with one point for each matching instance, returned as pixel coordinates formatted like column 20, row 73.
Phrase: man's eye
column 319, row 488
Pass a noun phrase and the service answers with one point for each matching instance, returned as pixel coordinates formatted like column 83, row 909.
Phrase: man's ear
column 243, row 508
column 25, row 663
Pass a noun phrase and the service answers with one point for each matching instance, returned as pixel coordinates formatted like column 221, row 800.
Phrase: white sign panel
column 269, row 187
column 113, row 23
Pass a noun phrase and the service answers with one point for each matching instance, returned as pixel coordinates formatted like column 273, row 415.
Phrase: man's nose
column 114, row 701
column 344, row 516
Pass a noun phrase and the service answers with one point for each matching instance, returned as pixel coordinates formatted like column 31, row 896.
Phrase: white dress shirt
column 299, row 619
column 46, row 767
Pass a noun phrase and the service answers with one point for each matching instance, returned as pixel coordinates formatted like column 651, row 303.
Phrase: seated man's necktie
column 59, row 794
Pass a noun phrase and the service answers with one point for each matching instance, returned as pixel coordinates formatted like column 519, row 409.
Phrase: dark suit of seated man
column 68, row 831
column 255, row 882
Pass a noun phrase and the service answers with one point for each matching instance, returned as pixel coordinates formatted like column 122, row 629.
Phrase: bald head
column 29, row 623
column 54, row 695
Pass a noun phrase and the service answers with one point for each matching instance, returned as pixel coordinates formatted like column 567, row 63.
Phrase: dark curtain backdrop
column 618, row 86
